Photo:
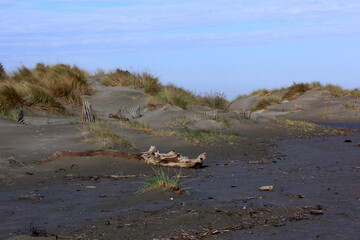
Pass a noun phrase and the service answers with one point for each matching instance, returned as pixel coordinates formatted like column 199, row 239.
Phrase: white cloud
column 175, row 23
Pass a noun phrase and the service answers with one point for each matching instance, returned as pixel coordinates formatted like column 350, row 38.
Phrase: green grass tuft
column 162, row 181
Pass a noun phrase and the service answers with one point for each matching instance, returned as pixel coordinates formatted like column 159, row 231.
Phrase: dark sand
column 315, row 176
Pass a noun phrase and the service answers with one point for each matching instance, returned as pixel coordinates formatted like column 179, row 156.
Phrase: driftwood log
column 153, row 157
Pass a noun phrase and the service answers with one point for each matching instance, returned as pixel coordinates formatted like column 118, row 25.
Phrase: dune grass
column 162, row 181
column 263, row 92
column 43, row 87
column 3, row 75
column 173, row 95
column 104, row 132
column 355, row 93
column 214, row 100
column 296, row 90
column 148, row 82
column 335, row 90
column 265, row 102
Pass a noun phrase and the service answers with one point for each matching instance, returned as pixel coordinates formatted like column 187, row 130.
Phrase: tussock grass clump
column 42, row 98
column 3, row 75
column 214, row 100
column 10, row 96
column 355, row 93
column 44, row 87
column 148, row 82
column 264, row 103
column 104, row 132
column 162, row 181
column 173, row 95
column 316, row 85
column 335, row 90
column 263, row 92
column 296, row 90
column 199, row 136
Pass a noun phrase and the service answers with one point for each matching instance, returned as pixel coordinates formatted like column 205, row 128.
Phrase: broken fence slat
column 87, row 112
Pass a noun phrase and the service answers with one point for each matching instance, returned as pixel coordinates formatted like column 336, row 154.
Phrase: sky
column 225, row 46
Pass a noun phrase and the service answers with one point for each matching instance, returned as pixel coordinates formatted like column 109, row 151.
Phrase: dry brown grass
column 43, row 87
column 296, row 90
column 148, row 82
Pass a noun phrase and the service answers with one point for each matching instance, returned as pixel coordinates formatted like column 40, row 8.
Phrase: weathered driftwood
column 87, row 113
column 153, row 156
column 133, row 112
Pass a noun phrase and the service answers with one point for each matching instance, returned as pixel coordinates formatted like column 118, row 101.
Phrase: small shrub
column 296, row 90
column 355, row 93
column 214, row 100
column 162, row 181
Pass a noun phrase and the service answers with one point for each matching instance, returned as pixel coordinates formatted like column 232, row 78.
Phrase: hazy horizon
column 227, row 46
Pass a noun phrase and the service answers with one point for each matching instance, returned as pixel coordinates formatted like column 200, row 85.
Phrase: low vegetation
column 355, row 93
column 162, row 181
column 263, row 92
column 306, row 127
column 43, row 87
column 265, row 102
column 335, row 90
column 296, row 90
column 103, row 131
column 201, row 136
column 214, row 100
column 173, row 95
column 141, row 127
column 3, row 75
column 144, row 80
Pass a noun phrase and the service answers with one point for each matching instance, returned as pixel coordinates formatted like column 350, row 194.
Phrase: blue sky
column 230, row 46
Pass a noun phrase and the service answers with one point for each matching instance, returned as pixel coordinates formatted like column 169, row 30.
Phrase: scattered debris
column 296, row 196
column 153, row 156
column 269, row 188
column 27, row 197
column 259, row 162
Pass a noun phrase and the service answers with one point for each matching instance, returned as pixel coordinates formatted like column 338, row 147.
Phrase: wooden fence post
column 87, row 113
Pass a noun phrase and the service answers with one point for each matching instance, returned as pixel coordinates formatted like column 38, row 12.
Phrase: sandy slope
column 74, row 196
